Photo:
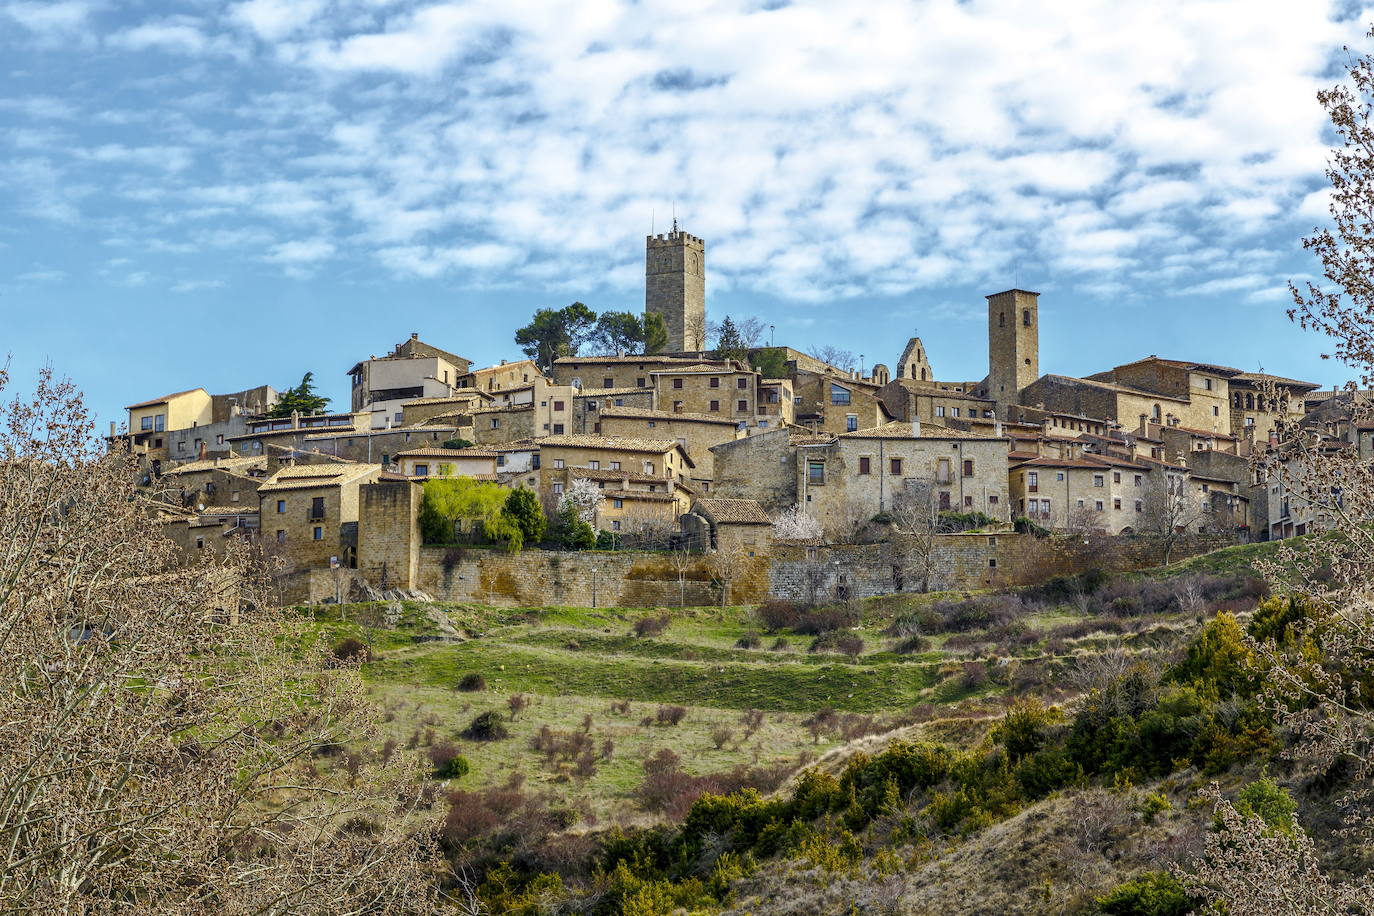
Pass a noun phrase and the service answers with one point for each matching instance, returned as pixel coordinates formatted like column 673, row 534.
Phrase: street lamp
column 770, row 335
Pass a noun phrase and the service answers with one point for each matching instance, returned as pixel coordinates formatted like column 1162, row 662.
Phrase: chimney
column 112, row 429
column 916, row 429
column 414, row 335
column 997, row 428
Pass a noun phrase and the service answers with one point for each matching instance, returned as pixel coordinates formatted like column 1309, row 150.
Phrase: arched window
column 1249, row 402
column 923, row 375
column 1001, row 319
column 1157, row 413
column 1025, row 317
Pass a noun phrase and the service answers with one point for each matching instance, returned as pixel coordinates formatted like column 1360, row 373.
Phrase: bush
column 457, row 443
column 750, row 640
column 670, row 715
column 776, row 614
column 912, row 644
column 826, row 619
column 472, row 682
column 652, row 626
column 975, row 675
column 849, row 644
column 486, row 727
column 1153, row 894
column 352, row 651
column 1270, row 802
column 720, row 736
column 448, row 763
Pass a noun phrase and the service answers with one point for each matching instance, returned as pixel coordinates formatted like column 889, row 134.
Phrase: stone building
column 229, row 480
column 826, row 402
column 697, row 432
column 292, row 431
column 675, row 287
column 719, row 390
column 377, row 446
column 846, row 481
column 761, row 467
column 413, row 369
column 913, row 364
column 934, row 402
column 1254, row 408
column 210, row 530
column 591, row 373
column 590, row 402
column 663, row 463
column 309, row 513
column 190, row 424
column 449, row 407
column 725, row 524
column 424, row 463
column 1088, row 493
column 1013, row 346
column 503, row 376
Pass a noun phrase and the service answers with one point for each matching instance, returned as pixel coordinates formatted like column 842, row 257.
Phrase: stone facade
column 675, row 287
column 762, row 467
column 845, row 482
column 914, row 364
column 309, row 513
column 1013, row 346
column 722, row 391
column 389, row 533
column 378, row 446
column 698, row 433
column 593, row 373
column 826, row 402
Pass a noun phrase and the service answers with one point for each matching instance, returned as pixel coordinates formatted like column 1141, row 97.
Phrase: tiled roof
column 740, row 511
column 1113, row 386
column 900, row 429
column 607, row 474
column 644, row 495
column 613, row 360
column 419, row 429
column 467, row 395
column 228, row 510
column 645, row 413
column 1185, row 364
column 165, row 398
column 696, row 368
column 608, row 392
column 619, row 443
column 445, row 453
column 501, row 408
column 300, row 477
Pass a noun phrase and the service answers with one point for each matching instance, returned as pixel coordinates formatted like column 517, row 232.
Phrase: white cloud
column 191, row 286
column 50, row 19
column 303, row 251
column 275, row 19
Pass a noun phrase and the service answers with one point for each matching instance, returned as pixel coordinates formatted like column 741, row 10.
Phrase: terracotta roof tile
column 739, row 511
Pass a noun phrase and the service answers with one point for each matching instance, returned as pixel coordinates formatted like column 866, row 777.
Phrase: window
column 399, row 417
column 1216, row 411
column 557, row 489
column 558, row 462
column 677, row 407
column 318, row 533
column 939, row 411
column 1097, row 504
column 677, row 383
column 619, row 402
column 1033, row 480
column 281, row 506
column 851, row 422
column 743, row 407
column 1025, row 318
column 618, row 503
column 615, row 465
column 160, row 422
column 1080, row 504
column 648, row 467
column 421, row 470
column 219, row 440
column 839, row 395
column 797, row 400
column 992, row 500
column 495, row 422
column 715, row 381
column 1207, row 383
column 558, row 429
column 281, row 536
column 146, row 423
column 558, row 405
column 1059, row 476
column 1116, row 503
column 968, row 467
column 317, row 507
column 1116, row 477
column 955, row 411
column 1139, row 505
column 894, row 467
column 1099, row 480
column 942, row 470
column 1001, row 319
column 639, row 382
column 608, row 383
column 1137, row 480
column 500, row 461
column 815, row 472
column 715, row 406
column 200, row 543
column 865, row 464
column 615, row 522
column 968, row 502
column 741, row 383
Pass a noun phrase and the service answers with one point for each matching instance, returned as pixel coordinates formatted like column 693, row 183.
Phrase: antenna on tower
column 651, row 220
column 675, row 216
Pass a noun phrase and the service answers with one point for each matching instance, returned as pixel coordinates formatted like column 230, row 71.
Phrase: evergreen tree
column 730, row 344
column 617, row 332
column 655, row 334
column 523, row 509
column 555, row 333
column 302, row 399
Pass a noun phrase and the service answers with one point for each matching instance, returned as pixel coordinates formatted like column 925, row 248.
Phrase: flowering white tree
column 794, row 525
column 582, row 497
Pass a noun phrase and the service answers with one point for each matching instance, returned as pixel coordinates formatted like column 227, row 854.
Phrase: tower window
column 1025, row 317
column 1001, row 319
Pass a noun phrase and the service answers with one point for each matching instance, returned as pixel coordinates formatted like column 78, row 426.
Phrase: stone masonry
column 675, row 287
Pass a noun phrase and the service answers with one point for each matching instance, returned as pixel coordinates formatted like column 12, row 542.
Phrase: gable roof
column 734, row 511
column 311, row 476
column 901, row 429
column 645, row 413
column 167, row 397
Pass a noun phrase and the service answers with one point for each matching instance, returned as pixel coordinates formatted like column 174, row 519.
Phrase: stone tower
column 1013, row 345
column 675, row 287
column 914, row 363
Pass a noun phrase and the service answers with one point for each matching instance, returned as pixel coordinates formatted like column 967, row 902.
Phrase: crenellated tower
column 675, row 287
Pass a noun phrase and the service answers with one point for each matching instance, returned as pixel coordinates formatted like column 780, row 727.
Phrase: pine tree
column 302, row 400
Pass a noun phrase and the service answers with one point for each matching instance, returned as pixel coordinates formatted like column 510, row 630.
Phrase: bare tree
column 835, row 356
column 916, row 518
column 156, row 753
column 727, row 563
column 1170, row 516
column 1319, row 697
column 683, row 561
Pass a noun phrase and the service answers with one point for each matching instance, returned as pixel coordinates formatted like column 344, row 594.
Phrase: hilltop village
column 764, row 458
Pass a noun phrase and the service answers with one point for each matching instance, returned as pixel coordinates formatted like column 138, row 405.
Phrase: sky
column 227, row 194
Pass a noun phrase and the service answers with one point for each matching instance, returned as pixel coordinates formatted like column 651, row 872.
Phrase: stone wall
column 388, row 533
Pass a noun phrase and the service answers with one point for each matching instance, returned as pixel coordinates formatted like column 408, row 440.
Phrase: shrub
column 652, row 626
column 780, row 645
column 670, row 715
column 456, row 443
column 720, row 736
column 776, row 614
column 448, row 763
column 516, row 703
column 1152, row 806
column 975, row 675
column 750, row 640
column 752, row 720
column 620, row 707
column 1270, row 802
column 846, row 643
column 486, row 727
column 352, row 651
column 1153, row 894
column 825, row 619
column 912, row 644
column 472, row 682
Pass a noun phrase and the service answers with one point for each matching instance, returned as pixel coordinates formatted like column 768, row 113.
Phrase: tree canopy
column 555, row 333
column 451, row 501
column 302, row 399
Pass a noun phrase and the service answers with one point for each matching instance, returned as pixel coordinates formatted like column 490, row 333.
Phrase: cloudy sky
column 230, row 193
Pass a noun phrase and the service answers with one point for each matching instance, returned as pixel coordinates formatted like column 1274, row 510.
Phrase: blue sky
column 228, row 194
